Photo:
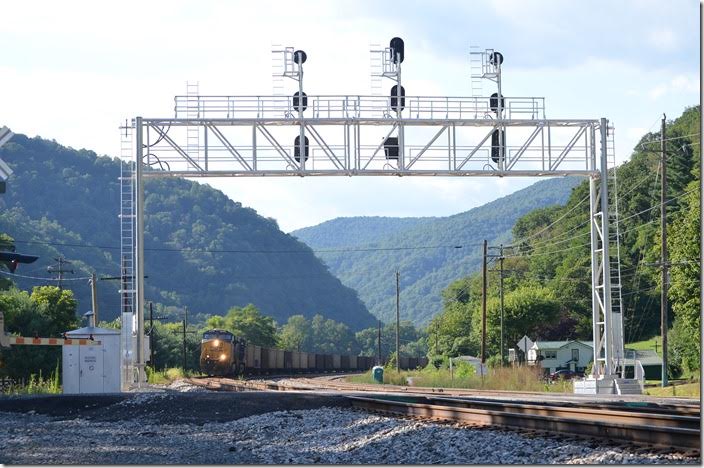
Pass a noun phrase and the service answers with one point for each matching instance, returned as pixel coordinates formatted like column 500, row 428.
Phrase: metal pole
column 596, row 318
column 398, row 338
column 139, row 251
column 663, row 254
column 605, row 257
column 301, row 134
column 501, row 289
column 483, row 348
column 94, row 297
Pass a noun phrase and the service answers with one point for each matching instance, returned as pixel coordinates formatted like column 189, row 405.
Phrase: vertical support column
column 399, row 116
column 597, row 323
column 139, row 251
column 605, row 258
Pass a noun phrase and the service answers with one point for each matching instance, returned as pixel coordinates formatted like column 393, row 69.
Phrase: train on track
column 222, row 353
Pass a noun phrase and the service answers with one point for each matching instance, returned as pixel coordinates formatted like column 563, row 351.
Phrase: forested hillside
column 203, row 250
column 366, row 252
column 548, row 287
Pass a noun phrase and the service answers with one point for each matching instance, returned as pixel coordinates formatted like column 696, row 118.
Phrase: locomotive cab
column 219, row 353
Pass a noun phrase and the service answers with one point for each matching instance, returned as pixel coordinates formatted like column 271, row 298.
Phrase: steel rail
column 661, row 436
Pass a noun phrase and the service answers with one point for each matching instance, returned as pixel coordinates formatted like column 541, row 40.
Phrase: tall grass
column 526, row 379
column 36, row 384
column 166, row 376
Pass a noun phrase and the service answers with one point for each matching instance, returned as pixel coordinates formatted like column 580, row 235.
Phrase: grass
column 166, row 376
column 688, row 390
column 35, row 385
column 501, row 378
column 648, row 344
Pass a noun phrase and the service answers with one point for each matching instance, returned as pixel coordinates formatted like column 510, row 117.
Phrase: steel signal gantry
column 264, row 136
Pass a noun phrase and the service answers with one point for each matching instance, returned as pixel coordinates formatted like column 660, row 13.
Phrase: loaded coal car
column 222, row 353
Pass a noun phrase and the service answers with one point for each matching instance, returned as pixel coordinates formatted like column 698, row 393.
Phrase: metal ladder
column 127, row 250
column 615, row 254
column 278, row 68
column 475, row 70
column 192, row 112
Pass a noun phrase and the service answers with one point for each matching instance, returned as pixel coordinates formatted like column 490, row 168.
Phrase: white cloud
column 680, row 84
column 664, row 39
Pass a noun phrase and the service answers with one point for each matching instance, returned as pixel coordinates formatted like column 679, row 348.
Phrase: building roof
column 560, row 344
column 647, row 357
column 85, row 331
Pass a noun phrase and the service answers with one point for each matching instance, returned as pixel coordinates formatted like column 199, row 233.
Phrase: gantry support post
column 139, row 250
column 600, row 262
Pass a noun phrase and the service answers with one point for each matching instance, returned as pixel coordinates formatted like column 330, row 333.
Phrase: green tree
column 47, row 312
column 247, row 322
column 296, row 334
column 684, row 291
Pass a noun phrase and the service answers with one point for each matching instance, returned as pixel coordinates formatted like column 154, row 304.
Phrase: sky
column 74, row 71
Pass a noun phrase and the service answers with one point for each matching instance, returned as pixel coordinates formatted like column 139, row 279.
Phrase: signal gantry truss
column 264, row 136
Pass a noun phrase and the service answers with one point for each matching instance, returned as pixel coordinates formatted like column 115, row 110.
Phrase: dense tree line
column 203, row 250
column 422, row 249
column 547, row 279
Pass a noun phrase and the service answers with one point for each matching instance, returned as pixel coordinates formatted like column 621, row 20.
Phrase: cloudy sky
column 73, row 71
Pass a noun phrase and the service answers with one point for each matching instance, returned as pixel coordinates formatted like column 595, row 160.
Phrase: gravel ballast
column 328, row 435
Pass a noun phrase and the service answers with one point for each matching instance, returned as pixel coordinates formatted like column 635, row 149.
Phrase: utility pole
column 185, row 321
column 501, row 295
column 94, row 297
column 398, row 328
column 59, row 269
column 151, row 334
column 483, row 348
column 663, row 253
column 378, row 344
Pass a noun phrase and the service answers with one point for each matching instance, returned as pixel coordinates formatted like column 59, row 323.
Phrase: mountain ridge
column 423, row 249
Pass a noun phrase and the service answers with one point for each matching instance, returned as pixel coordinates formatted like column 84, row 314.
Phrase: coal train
column 222, row 353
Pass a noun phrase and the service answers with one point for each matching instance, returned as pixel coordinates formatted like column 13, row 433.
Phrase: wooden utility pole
column 378, row 345
column 663, row 253
column 94, row 297
column 483, row 348
column 501, row 294
column 398, row 328
column 185, row 321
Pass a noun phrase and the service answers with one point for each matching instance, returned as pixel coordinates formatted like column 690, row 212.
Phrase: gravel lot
column 241, row 428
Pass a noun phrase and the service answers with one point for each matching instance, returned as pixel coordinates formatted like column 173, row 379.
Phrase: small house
column 574, row 355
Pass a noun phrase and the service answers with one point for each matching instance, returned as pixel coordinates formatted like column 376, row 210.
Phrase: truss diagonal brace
column 568, row 148
column 316, row 136
column 173, row 144
column 270, row 138
column 437, row 135
column 476, row 148
column 226, row 143
column 380, row 145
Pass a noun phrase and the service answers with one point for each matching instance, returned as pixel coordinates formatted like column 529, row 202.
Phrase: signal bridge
column 352, row 135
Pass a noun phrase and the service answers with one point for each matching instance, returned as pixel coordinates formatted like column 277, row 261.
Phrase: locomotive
column 222, row 353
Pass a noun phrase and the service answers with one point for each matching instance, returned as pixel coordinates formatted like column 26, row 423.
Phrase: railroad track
column 659, row 427
column 669, row 425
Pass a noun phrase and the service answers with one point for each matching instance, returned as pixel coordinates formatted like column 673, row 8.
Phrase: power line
column 82, row 278
column 166, row 249
column 553, row 223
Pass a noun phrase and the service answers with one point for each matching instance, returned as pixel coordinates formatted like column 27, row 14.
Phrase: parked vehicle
column 563, row 374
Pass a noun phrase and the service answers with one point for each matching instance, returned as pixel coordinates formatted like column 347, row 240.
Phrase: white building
column 553, row 355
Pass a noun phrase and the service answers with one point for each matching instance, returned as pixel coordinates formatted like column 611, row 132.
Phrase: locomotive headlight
column 216, row 343
column 223, row 356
